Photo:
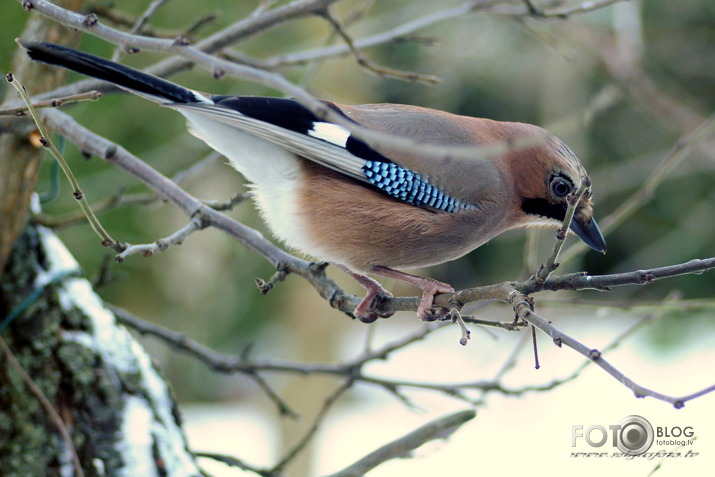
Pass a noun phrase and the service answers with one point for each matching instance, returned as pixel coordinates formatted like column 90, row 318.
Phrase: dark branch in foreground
column 583, row 281
column 571, row 281
column 437, row 429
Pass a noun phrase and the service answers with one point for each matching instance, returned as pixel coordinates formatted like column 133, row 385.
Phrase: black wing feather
column 291, row 115
column 106, row 70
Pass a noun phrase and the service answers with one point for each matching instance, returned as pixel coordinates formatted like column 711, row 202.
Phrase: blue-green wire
column 34, row 296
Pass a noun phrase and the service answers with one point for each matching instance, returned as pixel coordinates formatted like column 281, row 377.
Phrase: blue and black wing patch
column 410, row 187
column 367, row 165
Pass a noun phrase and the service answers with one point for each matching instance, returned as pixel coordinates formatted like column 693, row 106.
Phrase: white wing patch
column 321, row 149
column 331, row 133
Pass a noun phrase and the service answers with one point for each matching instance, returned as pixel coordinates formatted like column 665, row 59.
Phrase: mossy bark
column 55, row 343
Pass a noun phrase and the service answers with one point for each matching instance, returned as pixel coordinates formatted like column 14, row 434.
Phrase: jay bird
column 365, row 209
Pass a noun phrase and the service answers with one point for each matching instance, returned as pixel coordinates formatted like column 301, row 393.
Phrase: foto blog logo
column 633, row 435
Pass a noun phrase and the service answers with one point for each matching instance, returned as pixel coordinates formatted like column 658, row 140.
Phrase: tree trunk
column 105, row 401
column 19, row 158
column 105, row 390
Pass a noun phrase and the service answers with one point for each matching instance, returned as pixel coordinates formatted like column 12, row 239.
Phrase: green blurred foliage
column 544, row 72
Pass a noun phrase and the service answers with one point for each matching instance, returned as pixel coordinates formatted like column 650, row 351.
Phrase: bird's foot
column 429, row 286
column 365, row 311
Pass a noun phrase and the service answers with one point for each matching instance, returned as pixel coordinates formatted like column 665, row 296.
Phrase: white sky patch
column 147, row 418
column 331, row 133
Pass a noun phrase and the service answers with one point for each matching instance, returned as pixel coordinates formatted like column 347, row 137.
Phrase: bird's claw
column 433, row 314
column 426, row 311
column 365, row 311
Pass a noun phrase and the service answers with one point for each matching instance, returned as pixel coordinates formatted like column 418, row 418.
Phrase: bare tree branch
column 161, row 245
column 565, row 12
column 220, row 67
column 302, row 443
column 583, row 281
column 53, row 103
column 365, row 62
column 523, row 308
column 437, row 429
column 327, row 288
column 404, row 30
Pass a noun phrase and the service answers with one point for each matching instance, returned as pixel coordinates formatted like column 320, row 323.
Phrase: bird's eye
column 560, row 186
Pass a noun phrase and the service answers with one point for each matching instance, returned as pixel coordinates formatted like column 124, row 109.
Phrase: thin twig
column 365, row 62
column 93, row 95
column 506, row 325
column 584, row 281
column 404, row 30
column 573, row 200
column 146, row 16
column 220, row 67
column 120, row 18
column 283, row 408
column 196, row 223
column 511, row 359
column 645, row 319
column 525, row 312
column 238, row 463
column 571, row 281
column 303, row 442
column 196, row 167
column 456, row 317
column 45, row 140
column 76, row 218
column 676, row 304
column 226, row 363
column 537, row 365
column 223, row 205
column 138, row 26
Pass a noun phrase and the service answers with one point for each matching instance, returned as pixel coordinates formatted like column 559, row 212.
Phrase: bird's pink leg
column 429, row 286
column 363, row 311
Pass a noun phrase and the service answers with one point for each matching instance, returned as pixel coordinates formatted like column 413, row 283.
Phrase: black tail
column 120, row 75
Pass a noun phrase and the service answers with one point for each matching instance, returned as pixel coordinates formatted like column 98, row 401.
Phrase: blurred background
column 621, row 85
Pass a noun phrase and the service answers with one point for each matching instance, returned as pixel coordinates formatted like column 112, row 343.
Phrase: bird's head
column 544, row 176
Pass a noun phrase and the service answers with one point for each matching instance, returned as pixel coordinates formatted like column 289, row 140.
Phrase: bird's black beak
column 589, row 233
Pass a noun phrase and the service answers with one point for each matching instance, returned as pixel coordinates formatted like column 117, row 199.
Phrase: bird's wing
column 290, row 125
column 281, row 121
